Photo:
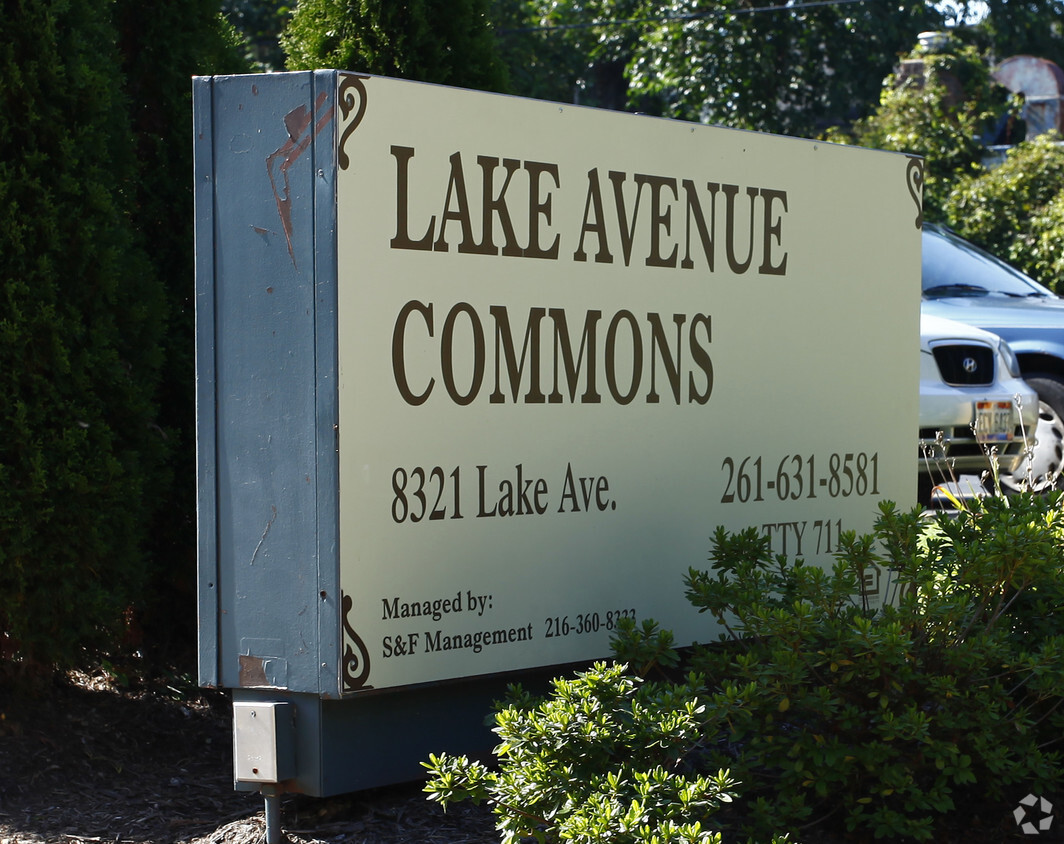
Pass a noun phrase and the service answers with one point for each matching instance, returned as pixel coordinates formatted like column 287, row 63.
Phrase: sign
column 571, row 343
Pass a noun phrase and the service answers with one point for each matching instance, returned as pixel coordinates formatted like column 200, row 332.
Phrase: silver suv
column 964, row 283
column 972, row 400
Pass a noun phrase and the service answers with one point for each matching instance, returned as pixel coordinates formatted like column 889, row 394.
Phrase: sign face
column 572, row 343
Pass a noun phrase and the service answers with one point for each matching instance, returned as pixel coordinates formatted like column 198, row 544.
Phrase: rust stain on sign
column 252, row 671
column 302, row 127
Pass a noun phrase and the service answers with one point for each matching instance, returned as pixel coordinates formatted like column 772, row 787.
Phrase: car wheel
column 1042, row 470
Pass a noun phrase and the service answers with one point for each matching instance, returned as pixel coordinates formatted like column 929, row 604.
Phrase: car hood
column 936, row 328
column 996, row 312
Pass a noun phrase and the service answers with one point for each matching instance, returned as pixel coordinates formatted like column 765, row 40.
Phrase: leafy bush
column 449, row 42
column 941, row 116
column 821, row 709
column 1014, row 210
column 606, row 758
column 892, row 716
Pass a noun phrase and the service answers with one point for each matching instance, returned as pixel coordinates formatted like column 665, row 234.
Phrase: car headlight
column 1012, row 363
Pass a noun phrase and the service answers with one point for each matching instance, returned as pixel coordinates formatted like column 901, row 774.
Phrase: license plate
column 993, row 421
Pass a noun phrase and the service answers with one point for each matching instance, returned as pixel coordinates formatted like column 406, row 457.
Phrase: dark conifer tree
column 81, row 313
column 96, row 284
column 162, row 45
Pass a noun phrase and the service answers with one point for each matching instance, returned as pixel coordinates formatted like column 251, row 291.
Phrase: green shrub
column 449, row 42
column 185, row 39
column 80, row 320
column 821, row 709
column 893, row 717
column 1013, row 210
column 606, row 758
column 941, row 118
column 97, row 487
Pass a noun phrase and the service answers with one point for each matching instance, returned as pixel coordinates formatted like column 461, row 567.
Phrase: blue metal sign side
column 266, row 426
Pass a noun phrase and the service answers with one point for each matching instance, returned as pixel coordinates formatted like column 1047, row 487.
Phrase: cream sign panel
column 572, row 343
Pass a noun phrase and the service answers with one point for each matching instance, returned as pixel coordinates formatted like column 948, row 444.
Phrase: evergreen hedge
column 95, row 215
column 80, row 320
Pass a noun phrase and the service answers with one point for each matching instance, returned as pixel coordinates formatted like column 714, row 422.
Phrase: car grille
column 960, row 446
column 965, row 365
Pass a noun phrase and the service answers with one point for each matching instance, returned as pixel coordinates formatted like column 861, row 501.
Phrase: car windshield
column 954, row 267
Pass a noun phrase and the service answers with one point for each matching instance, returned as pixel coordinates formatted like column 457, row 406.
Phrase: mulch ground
column 88, row 762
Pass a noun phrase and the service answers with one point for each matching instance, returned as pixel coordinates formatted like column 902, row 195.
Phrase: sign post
column 479, row 376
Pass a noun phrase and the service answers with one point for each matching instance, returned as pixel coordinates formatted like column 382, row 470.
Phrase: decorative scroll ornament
column 356, row 657
column 914, row 176
column 352, row 93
